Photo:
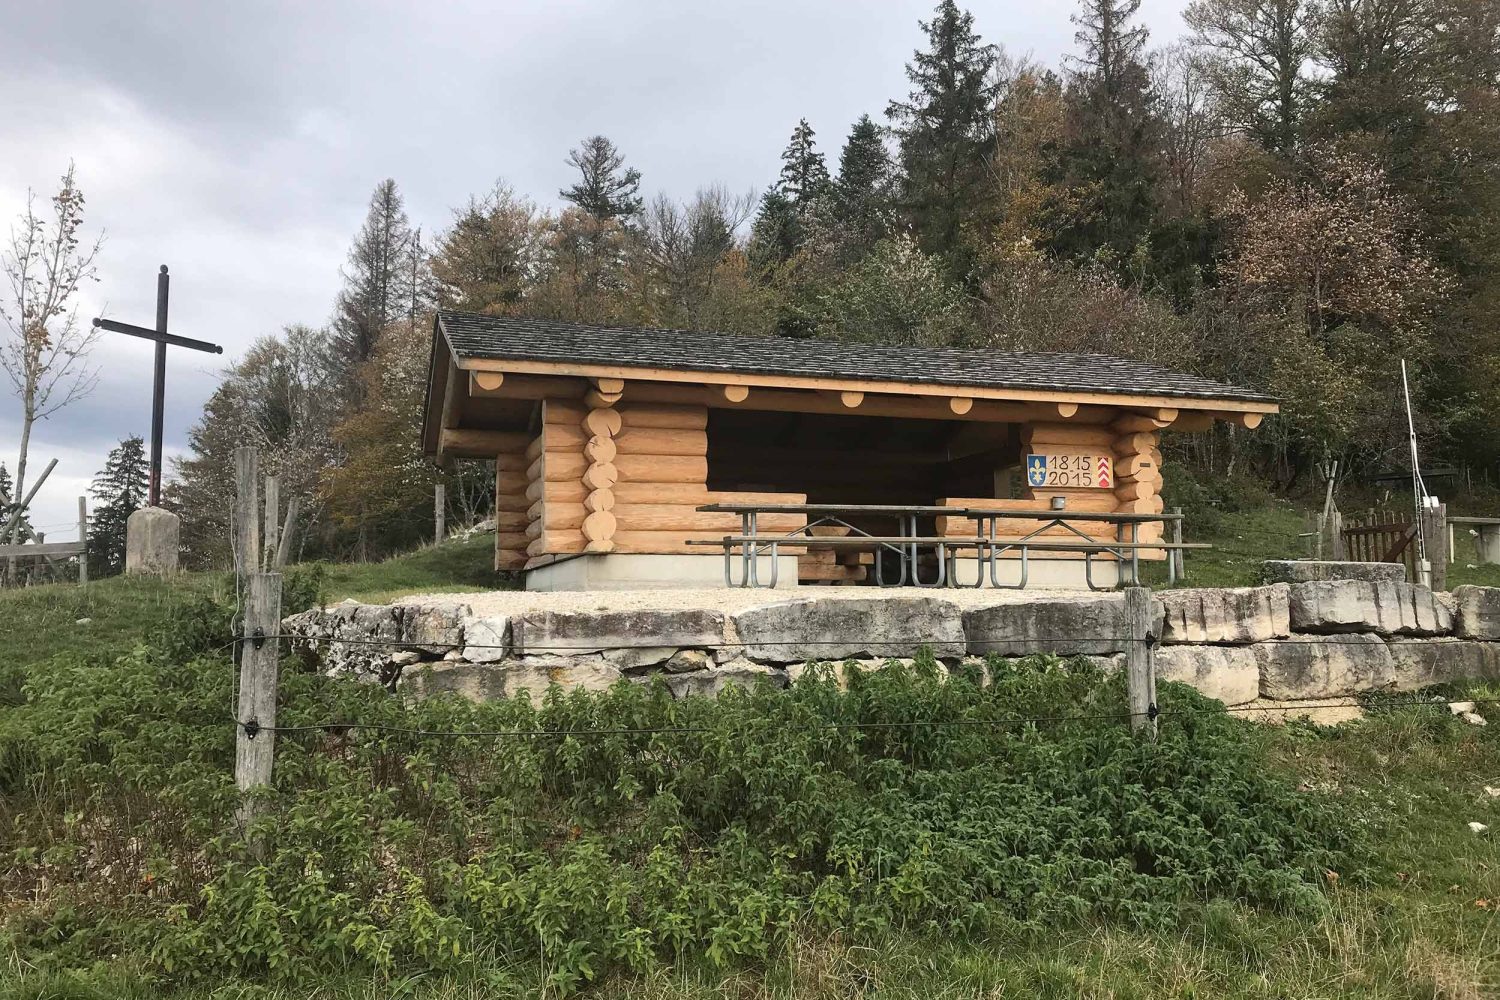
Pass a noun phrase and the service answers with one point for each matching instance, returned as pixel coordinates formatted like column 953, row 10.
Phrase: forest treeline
column 1295, row 197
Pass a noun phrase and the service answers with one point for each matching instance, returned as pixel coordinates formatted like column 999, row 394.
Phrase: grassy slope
column 39, row 622
column 1428, row 926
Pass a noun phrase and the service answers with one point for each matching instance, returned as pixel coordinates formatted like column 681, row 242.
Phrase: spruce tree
column 382, row 283
column 861, row 195
column 804, row 174
column 776, row 232
column 945, row 128
column 119, row 491
column 606, row 188
column 1110, row 157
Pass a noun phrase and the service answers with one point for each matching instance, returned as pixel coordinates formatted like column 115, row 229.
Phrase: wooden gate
column 1382, row 536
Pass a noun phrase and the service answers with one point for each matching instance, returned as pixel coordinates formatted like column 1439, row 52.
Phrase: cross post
column 159, row 382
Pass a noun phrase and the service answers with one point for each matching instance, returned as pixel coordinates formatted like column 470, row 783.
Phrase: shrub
column 623, row 828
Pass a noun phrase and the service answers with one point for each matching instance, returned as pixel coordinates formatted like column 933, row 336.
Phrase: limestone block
column 1062, row 625
column 1339, row 606
column 486, row 639
column 434, row 628
column 1323, row 666
column 371, row 633
column 1308, row 570
column 1230, row 674
column 151, row 542
column 535, row 674
column 1478, row 612
column 639, row 657
column 653, row 634
column 1420, row 663
column 474, row 681
column 740, row 671
column 1237, row 615
column 687, row 660
column 861, row 628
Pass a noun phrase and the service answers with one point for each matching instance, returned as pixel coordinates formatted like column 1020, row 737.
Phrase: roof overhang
column 477, row 406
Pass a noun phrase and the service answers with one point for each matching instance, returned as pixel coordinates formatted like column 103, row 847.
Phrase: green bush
column 704, row 829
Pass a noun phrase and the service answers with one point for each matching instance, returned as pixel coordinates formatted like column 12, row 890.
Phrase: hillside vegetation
column 909, row 836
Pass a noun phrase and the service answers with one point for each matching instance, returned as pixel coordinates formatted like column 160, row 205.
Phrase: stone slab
column 1230, row 674
column 1225, row 615
column 631, row 638
column 488, row 681
column 152, row 542
column 1385, row 608
column 371, row 634
column 1065, row 626
column 1421, row 663
column 1477, row 612
column 486, row 639
column 1309, row 570
column 1323, row 666
column 852, row 628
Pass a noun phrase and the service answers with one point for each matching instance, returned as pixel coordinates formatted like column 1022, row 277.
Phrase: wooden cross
column 159, row 391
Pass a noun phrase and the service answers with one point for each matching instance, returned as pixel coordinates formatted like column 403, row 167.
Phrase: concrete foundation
column 1041, row 574
column 151, row 542
column 628, row 571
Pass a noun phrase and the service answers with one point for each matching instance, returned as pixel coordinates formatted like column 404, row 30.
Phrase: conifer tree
column 776, row 232
column 945, row 128
column 382, row 284
column 862, row 194
column 119, row 491
column 804, row 174
column 1109, row 158
column 606, row 188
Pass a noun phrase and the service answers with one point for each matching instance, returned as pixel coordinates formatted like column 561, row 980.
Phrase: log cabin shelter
column 606, row 441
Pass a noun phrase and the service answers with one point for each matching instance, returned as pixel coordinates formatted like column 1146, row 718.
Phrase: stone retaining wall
column 1283, row 642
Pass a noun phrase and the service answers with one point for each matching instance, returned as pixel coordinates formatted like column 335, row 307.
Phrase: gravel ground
column 514, row 602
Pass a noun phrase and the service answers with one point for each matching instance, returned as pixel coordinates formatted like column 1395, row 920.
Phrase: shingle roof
column 471, row 335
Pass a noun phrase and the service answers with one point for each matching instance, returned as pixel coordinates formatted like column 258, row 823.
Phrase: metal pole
column 159, row 386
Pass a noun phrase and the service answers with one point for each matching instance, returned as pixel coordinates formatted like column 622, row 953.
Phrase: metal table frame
column 908, row 545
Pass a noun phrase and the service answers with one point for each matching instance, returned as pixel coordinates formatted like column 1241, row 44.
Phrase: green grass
column 36, row 623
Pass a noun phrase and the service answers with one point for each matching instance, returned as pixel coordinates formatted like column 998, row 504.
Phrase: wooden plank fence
column 1382, row 536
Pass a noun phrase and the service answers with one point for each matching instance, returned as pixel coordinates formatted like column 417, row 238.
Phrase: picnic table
column 908, row 543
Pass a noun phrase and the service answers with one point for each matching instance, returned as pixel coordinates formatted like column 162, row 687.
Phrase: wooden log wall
column 1138, row 473
column 511, row 518
column 554, row 482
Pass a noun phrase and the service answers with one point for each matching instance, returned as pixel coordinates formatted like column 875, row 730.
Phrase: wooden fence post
column 254, row 740
column 1179, row 565
column 83, row 539
column 288, row 532
column 246, row 513
column 440, row 513
column 273, row 515
column 1140, row 656
column 1435, row 532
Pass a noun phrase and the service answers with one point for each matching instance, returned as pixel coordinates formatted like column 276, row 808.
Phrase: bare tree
column 45, row 352
column 1187, row 125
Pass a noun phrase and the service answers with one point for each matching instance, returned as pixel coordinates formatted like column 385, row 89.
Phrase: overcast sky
column 238, row 142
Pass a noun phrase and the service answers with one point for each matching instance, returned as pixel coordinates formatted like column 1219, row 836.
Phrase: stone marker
column 151, row 542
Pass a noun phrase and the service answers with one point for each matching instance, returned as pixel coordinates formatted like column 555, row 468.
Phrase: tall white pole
column 1418, row 487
